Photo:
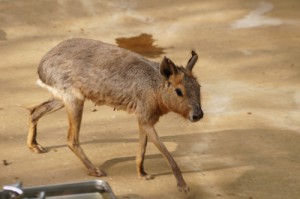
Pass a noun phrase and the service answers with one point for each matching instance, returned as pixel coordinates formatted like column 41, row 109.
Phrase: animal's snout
column 196, row 114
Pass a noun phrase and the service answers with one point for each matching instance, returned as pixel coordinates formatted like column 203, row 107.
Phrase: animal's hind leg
column 141, row 155
column 36, row 113
column 74, row 108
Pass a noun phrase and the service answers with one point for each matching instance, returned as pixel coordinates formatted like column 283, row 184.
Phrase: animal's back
column 104, row 73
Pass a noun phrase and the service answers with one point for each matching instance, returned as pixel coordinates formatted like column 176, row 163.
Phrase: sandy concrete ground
column 248, row 144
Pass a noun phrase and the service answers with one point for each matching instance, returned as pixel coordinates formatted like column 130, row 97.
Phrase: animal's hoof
column 97, row 173
column 38, row 149
column 183, row 188
column 147, row 177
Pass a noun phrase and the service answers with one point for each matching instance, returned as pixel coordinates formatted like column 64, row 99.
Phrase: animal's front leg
column 152, row 135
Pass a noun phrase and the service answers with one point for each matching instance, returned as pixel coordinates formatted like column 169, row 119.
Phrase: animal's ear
column 192, row 61
column 167, row 68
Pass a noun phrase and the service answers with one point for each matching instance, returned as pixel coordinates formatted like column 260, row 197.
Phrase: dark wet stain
column 142, row 44
column 2, row 35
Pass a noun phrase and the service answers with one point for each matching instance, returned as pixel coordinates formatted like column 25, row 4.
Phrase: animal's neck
column 161, row 98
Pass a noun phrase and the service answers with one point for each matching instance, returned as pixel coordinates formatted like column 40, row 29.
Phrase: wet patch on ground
column 142, row 44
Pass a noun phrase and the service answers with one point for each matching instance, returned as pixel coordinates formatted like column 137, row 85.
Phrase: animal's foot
column 146, row 176
column 182, row 187
column 36, row 148
column 96, row 172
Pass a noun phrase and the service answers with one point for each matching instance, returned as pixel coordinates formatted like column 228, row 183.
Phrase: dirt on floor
column 248, row 144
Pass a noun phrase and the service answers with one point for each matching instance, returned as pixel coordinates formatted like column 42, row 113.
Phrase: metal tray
column 97, row 189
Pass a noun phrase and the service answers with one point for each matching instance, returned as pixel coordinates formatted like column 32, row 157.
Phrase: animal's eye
column 178, row 92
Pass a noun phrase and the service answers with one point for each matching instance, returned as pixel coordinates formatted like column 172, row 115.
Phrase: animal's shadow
column 187, row 146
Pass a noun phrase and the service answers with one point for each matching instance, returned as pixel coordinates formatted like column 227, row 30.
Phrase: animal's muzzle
column 196, row 114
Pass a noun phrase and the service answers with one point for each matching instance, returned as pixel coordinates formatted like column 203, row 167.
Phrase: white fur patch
column 55, row 92
column 61, row 94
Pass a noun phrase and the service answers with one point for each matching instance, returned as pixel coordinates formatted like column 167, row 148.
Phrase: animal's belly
column 117, row 101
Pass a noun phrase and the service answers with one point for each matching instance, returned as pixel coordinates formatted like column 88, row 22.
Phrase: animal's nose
column 197, row 116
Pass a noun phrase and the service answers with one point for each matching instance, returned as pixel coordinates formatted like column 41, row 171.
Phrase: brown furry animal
column 79, row 69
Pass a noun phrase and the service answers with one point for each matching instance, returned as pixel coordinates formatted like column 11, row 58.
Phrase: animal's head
column 182, row 91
